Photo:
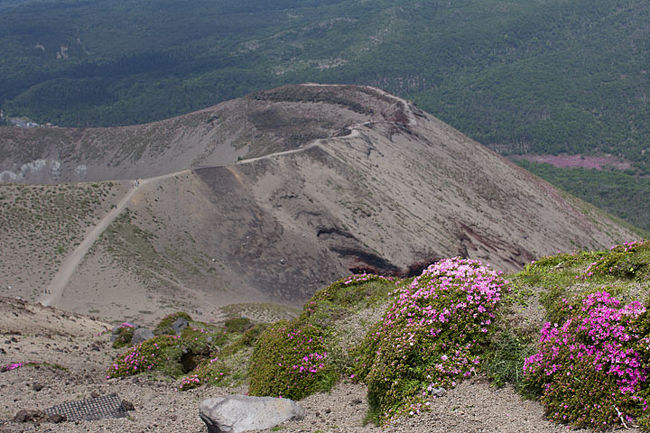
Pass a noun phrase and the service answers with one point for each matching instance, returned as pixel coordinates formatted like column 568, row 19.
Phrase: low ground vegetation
column 570, row 329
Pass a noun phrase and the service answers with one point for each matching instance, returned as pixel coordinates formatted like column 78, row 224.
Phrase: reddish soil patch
column 582, row 161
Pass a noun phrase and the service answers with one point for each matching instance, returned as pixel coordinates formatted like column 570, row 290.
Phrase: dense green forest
column 619, row 193
column 521, row 76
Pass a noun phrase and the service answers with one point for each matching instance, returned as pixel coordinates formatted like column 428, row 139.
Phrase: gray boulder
column 140, row 335
column 239, row 413
column 179, row 324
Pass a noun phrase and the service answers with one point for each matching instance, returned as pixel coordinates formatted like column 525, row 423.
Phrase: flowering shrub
column 170, row 354
column 198, row 341
column 592, row 371
column 629, row 260
column 431, row 336
column 147, row 356
column 290, row 361
column 124, row 336
column 209, row 372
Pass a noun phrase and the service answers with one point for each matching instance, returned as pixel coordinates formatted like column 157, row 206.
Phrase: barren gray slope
column 259, row 124
column 330, row 179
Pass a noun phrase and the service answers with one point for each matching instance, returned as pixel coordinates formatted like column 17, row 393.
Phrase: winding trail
column 404, row 102
column 354, row 129
column 284, row 152
column 55, row 289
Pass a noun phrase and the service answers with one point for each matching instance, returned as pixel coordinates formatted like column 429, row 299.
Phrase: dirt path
column 55, row 289
column 404, row 102
column 354, row 129
column 285, row 152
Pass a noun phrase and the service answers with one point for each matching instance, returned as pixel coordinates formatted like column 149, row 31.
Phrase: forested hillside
column 521, row 76
column 617, row 192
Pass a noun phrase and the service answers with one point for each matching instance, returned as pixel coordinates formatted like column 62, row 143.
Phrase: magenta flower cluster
column 11, row 366
column 619, row 261
column 626, row 246
column 142, row 357
column 433, row 334
column 133, row 362
column 15, row 365
column 189, row 382
column 209, row 371
column 312, row 363
column 589, row 368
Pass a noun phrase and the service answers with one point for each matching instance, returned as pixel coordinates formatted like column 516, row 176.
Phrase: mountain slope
column 317, row 181
column 531, row 77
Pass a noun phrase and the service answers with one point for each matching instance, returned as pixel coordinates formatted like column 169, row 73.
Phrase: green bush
column 432, row 336
column 346, row 297
column 592, row 370
column 354, row 290
column 162, row 352
column 628, row 261
column 170, row 355
column 165, row 325
column 238, row 324
column 208, row 372
column 363, row 355
column 290, row 360
column 124, row 336
column 247, row 339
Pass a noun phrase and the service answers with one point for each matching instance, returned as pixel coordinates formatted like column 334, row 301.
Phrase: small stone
column 94, row 394
column 179, row 324
column 173, row 417
column 140, row 335
column 438, row 392
column 57, row 418
column 356, row 401
column 30, row 415
column 37, row 387
column 14, row 339
column 127, row 405
column 328, row 410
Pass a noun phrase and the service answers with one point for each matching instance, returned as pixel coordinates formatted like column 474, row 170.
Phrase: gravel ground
column 82, row 352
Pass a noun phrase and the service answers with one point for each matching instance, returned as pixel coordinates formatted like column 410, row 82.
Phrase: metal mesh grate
column 108, row 406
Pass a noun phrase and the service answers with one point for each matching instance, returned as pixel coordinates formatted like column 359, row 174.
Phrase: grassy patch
column 309, row 353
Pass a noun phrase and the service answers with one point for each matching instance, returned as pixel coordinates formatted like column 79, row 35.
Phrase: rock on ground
column 239, row 413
